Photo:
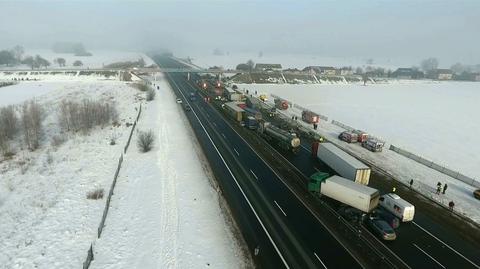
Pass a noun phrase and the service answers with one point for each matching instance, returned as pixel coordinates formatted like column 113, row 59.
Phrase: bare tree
column 8, row 122
column 145, row 140
column 18, row 52
column 60, row 61
column 32, row 124
column 250, row 64
column 77, row 63
column 150, row 94
column 85, row 115
column 430, row 64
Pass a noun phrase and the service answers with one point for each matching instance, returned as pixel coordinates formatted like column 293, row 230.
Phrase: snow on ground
column 165, row 212
column 46, row 220
column 433, row 120
column 19, row 93
column 98, row 59
column 300, row 61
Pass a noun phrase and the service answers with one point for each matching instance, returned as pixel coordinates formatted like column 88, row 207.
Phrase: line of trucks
column 350, row 184
column 350, row 188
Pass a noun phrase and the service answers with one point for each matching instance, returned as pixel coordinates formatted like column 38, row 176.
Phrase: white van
column 397, row 206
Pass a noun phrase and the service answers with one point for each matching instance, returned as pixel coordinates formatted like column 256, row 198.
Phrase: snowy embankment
column 46, row 219
column 433, row 120
column 165, row 213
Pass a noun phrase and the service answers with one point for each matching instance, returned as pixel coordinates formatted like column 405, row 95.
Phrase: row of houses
column 437, row 74
column 400, row 73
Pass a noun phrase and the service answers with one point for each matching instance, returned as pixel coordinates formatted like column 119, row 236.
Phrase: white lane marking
column 238, row 185
column 280, row 208
column 224, row 135
column 428, row 255
column 215, row 124
column 445, row 244
column 234, row 149
column 318, row 258
column 299, row 199
column 253, row 174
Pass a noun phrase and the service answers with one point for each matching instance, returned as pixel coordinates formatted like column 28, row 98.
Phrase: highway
column 421, row 244
column 424, row 243
column 272, row 219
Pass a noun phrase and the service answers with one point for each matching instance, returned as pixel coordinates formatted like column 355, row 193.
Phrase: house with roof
column 268, row 67
column 345, row 71
column 442, row 74
column 407, row 73
column 321, row 70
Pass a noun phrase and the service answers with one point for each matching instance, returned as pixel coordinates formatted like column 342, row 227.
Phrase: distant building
column 268, row 67
column 442, row 74
column 344, row 71
column 407, row 73
column 321, row 70
column 292, row 70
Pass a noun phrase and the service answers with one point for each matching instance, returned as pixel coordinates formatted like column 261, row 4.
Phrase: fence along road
column 457, row 175
column 90, row 257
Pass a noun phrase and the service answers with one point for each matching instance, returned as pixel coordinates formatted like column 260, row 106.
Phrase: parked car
column 373, row 145
column 348, row 137
column 380, row 228
column 476, row 194
column 391, row 219
column 179, row 101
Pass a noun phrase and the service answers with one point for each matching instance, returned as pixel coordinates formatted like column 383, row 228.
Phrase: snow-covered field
column 173, row 212
column 165, row 212
column 46, row 220
column 435, row 120
column 99, row 58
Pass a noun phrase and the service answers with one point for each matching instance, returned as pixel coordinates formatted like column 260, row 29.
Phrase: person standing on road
column 451, row 205
column 439, row 189
column 411, row 183
column 445, row 186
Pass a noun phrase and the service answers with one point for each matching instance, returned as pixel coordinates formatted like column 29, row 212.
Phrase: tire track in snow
column 169, row 211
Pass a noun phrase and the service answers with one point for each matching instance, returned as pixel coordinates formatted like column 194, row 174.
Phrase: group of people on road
column 439, row 188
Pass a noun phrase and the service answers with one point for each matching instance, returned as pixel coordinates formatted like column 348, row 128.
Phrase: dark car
column 380, row 228
column 391, row 219
column 476, row 194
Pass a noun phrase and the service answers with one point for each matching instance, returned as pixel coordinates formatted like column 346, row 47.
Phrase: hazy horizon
column 373, row 29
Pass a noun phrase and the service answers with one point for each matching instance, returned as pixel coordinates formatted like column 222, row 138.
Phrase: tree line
column 15, row 56
column 25, row 121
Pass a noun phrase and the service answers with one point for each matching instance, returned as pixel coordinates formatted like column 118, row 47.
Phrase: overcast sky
column 448, row 30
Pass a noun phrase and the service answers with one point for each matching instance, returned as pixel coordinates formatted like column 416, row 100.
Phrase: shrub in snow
column 150, row 94
column 58, row 140
column 95, row 195
column 8, row 122
column 31, row 116
column 145, row 140
column 141, row 86
column 84, row 116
